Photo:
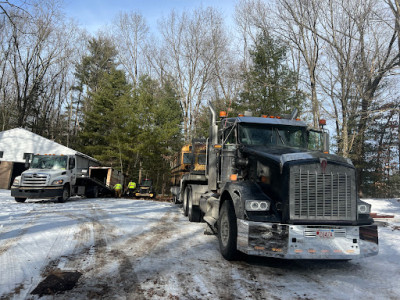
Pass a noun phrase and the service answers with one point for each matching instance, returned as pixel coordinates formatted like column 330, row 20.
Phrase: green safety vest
column 131, row 185
column 118, row 186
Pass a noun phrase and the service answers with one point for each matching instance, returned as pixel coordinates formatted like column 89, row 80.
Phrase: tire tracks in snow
column 100, row 249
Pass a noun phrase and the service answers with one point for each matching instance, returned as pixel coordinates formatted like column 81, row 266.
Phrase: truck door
column 71, row 169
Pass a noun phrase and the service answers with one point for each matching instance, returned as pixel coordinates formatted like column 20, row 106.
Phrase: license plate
column 325, row 234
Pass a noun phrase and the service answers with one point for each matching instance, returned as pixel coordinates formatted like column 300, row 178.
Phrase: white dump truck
column 62, row 176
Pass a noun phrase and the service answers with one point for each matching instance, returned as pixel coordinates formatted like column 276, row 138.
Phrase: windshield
column 187, row 158
column 146, row 182
column 267, row 135
column 49, row 162
column 201, row 159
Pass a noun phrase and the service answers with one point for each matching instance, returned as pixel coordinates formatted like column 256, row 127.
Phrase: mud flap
column 212, row 212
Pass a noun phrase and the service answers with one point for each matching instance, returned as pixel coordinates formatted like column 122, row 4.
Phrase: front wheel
column 227, row 231
column 65, row 194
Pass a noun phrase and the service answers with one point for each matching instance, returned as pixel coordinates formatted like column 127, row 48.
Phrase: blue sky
column 95, row 14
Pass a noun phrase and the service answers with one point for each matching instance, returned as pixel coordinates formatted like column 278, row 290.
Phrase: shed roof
column 15, row 142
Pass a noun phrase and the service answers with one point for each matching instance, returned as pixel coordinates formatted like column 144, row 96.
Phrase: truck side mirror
column 27, row 164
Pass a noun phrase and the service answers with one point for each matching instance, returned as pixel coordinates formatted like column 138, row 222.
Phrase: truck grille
column 34, row 179
column 317, row 195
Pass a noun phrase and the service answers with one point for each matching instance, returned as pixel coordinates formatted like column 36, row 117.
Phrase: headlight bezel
column 363, row 208
column 16, row 181
column 58, row 182
column 257, row 205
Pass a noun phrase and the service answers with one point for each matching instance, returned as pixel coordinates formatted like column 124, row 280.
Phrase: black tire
column 227, row 231
column 65, row 194
column 185, row 201
column 193, row 211
column 20, row 200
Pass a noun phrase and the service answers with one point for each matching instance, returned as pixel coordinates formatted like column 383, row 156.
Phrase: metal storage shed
column 15, row 145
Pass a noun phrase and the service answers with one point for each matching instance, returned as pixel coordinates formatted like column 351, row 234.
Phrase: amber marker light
column 233, row 177
column 240, row 115
column 322, row 122
column 264, row 116
column 222, row 114
column 217, row 146
column 272, row 117
column 265, row 179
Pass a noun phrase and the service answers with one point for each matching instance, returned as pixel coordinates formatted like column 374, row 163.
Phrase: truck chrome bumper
column 36, row 192
column 306, row 241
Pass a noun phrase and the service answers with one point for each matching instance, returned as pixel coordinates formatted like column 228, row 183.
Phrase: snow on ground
column 141, row 249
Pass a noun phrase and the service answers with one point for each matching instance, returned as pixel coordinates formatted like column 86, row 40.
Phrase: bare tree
column 301, row 19
column 190, row 45
column 37, row 50
column 251, row 18
column 131, row 31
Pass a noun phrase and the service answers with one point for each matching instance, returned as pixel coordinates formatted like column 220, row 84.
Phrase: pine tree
column 105, row 129
column 270, row 86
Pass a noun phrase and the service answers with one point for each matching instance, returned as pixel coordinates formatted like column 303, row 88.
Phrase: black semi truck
column 272, row 189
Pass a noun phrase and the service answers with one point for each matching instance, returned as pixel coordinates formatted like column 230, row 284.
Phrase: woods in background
column 132, row 95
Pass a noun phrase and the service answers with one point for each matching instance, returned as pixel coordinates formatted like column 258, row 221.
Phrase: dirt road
column 138, row 249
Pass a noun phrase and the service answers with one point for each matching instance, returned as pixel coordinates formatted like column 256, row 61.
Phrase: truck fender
column 240, row 191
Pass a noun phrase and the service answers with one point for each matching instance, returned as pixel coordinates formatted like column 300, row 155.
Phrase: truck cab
column 49, row 176
column 57, row 176
column 273, row 189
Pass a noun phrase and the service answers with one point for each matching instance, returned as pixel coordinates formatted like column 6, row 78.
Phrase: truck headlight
column 57, row 182
column 16, row 182
column 257, row 205
column 364, row 208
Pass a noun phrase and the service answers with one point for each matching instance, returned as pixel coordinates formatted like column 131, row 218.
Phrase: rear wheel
column 227, row 231
column 65, row 194
column 19, row 199
column 185, row 201
column 193, row 211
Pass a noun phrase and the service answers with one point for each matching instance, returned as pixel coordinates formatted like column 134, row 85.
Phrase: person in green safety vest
column 131, row 189
column 118, row 190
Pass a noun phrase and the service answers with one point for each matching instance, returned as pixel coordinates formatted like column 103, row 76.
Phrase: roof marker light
column 264, row 116
column 272, row 117
column 222, row 114
column 240, row 115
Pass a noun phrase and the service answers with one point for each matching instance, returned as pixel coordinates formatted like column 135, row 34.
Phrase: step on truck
column 271, row 188
column 62, row 176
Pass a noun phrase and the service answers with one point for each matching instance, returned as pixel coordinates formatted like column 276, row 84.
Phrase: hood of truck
column 52, row 173
column 281, row 155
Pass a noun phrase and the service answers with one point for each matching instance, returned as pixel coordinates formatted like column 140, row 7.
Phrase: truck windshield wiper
column 280, row 137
